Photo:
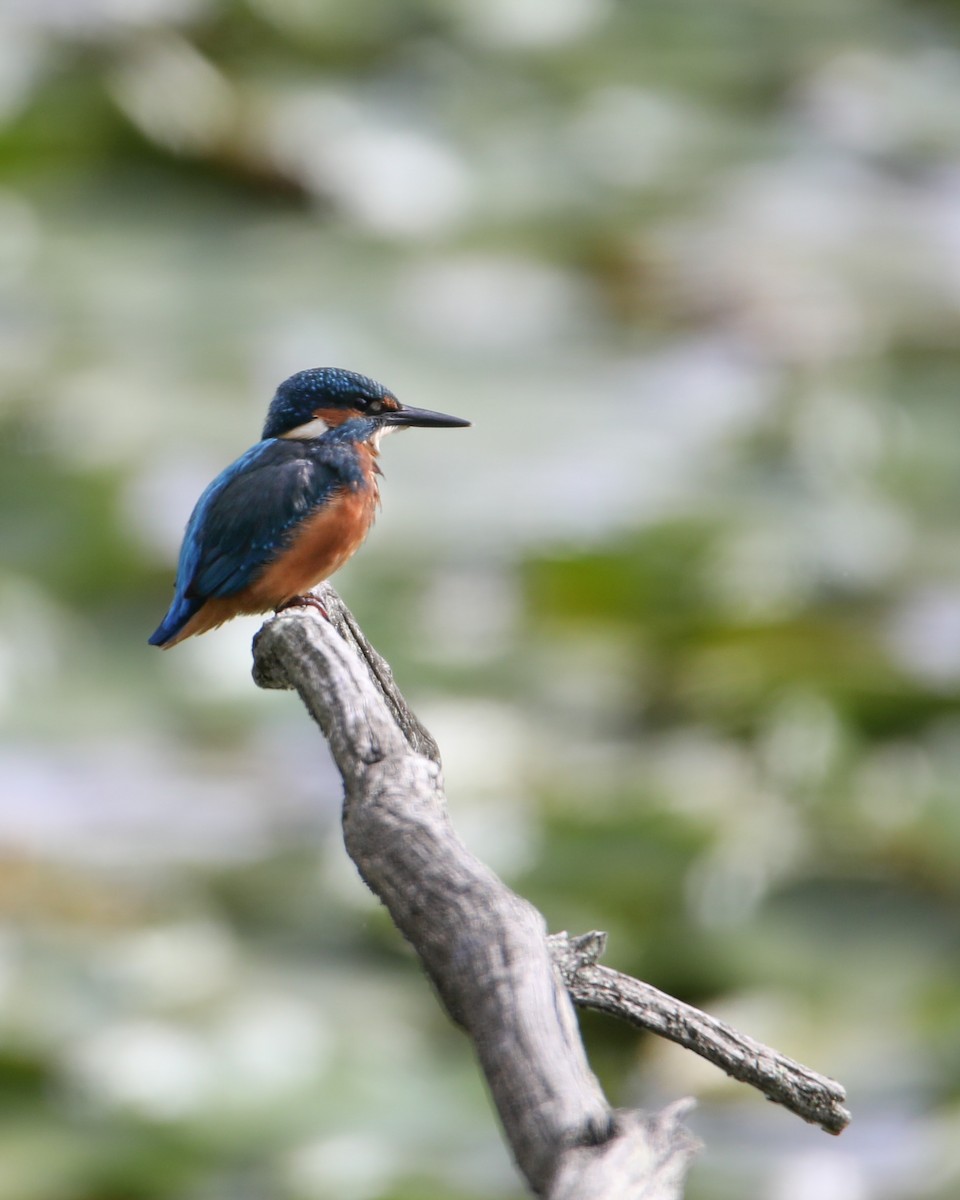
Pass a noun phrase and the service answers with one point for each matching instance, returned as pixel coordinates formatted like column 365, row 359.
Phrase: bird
column 294, row 507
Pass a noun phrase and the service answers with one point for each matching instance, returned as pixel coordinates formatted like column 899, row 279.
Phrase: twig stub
column 486, row 949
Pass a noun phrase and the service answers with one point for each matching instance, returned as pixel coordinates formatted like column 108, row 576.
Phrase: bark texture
column 486, row 950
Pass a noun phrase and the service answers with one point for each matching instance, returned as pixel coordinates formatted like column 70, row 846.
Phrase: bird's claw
column 307, row 601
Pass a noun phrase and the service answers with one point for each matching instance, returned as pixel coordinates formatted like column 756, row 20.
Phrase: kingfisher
column 292, row 509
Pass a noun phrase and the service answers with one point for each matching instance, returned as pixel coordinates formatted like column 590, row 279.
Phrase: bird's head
column 309, row 403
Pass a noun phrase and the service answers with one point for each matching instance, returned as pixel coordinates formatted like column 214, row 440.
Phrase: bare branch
column 814, row 1097
column 345, row 623
column 268, row 674
column 484, row 948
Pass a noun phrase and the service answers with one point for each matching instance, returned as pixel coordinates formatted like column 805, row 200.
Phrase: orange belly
column 320, row 546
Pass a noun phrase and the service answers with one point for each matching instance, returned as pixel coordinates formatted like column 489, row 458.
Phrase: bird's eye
column 375, row 406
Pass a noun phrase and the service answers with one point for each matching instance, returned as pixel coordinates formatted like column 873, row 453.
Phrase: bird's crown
column 299, row 398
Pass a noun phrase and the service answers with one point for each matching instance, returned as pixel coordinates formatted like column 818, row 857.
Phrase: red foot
column 303, row 602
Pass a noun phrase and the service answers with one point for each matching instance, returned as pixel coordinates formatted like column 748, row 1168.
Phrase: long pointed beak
column 424, row 417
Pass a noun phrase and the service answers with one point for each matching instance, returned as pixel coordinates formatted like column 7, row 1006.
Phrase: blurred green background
column 683, row 608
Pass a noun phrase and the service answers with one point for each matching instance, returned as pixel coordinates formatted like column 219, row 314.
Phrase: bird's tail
column 178, row 614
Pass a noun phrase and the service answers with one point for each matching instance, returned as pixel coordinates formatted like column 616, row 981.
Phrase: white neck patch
column 318, row 427
column 310, row 429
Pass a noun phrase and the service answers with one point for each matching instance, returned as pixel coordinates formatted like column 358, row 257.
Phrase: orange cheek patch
column 332, row 417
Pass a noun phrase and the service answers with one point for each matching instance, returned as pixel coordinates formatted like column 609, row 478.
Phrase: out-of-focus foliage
column 683, row 608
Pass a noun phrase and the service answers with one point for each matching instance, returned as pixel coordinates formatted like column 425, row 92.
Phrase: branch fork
column 498, row 974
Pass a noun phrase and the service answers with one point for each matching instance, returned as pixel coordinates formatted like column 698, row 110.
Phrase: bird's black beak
column 422, row 417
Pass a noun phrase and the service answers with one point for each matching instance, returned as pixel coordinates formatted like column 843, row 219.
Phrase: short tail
column 178, row 614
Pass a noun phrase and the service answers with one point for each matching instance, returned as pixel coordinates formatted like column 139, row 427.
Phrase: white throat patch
column 382, row 433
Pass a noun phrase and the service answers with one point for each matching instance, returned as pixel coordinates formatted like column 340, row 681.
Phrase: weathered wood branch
column 816, row 1098
column 485, row 949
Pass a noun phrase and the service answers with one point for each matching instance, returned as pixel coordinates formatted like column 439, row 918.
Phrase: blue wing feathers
column 179, row 613
column 246, row 514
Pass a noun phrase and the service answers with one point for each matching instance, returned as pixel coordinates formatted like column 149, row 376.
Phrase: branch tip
column 514, row 996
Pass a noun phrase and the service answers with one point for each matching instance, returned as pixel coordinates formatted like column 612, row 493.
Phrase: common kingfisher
column 292, row 509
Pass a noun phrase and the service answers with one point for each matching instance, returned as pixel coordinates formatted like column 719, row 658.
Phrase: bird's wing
column 244, row 516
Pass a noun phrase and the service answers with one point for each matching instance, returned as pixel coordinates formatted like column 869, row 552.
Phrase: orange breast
column 320, row 545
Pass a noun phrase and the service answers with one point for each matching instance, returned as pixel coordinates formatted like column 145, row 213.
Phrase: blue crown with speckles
column 298, row 397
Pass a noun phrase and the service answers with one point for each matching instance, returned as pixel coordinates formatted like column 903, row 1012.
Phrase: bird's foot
column 307, row 601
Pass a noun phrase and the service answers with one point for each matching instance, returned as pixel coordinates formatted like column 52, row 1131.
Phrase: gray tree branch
column 485, row 949
column 816, row 1098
